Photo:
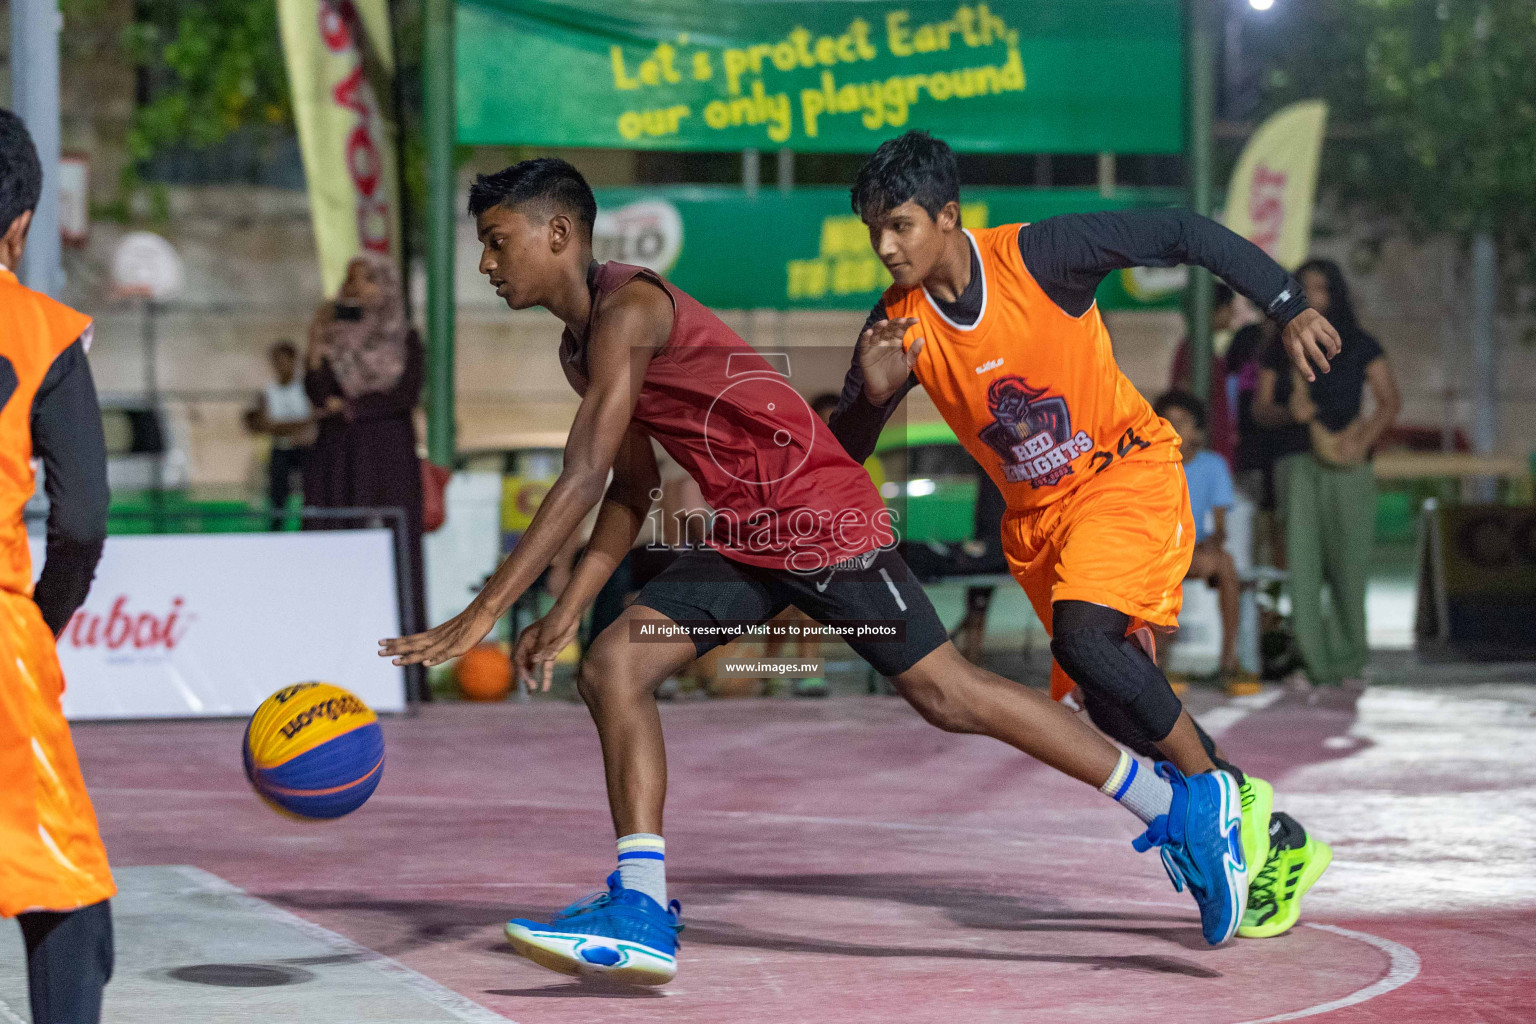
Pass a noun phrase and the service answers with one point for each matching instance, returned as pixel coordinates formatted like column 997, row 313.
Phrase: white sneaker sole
column 633, row 964
column 1238, row 875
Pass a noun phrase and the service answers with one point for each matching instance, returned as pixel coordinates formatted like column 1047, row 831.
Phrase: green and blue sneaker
column 1258, row 800
column 1296, row 861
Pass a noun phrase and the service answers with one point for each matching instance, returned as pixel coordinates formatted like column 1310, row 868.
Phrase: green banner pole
column 1201, row 55
column 438, row 115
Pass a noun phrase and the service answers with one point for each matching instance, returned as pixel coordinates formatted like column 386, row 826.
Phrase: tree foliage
column 1432, row 109
column 210, row 68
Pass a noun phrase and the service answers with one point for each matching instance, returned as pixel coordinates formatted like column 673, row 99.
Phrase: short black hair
column 1177, row 399
column 284, row 345
column 21, row 176
column 913, row 166
column 825, row 400
column 547, row 179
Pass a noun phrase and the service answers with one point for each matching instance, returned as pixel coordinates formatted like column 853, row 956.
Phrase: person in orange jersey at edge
column 1001, row 328
column 53, row 868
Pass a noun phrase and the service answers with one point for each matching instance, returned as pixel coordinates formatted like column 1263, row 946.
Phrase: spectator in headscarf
column 364, row 372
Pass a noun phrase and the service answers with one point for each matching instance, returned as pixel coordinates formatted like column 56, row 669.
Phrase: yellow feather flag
column 1270, row 199
column 340, row 66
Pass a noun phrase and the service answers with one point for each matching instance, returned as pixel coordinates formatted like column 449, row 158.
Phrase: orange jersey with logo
column 1033, row 392
column 51, row 856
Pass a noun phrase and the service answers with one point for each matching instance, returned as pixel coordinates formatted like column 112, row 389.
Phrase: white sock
column 643, row 865
column 1138, row 789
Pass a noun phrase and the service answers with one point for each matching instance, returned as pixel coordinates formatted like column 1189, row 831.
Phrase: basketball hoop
column 146, row 266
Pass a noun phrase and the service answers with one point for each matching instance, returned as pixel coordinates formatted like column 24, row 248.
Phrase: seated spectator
column 1210, row 495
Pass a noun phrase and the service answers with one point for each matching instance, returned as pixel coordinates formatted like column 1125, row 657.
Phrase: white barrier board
column 191, row 625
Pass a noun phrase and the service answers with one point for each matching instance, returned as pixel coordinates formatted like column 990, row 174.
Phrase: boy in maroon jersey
column 796, row 521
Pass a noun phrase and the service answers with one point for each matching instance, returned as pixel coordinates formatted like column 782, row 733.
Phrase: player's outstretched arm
column 619, row 519
column 1069, row 255
column 635, row 321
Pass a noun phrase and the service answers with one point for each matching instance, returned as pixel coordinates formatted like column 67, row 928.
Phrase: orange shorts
column 1122, row 539
column 51, row 856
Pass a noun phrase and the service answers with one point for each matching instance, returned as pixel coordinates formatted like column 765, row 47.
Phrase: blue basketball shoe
column 1202, row 847
column 620, row 935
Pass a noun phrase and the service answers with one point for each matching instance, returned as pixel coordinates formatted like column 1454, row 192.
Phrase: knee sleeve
column 1113, row 721
column 1114, row 669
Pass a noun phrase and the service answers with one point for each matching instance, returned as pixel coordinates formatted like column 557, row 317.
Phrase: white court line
column 438, row 995
column 1404, row 962
column 1223, row 717
column 1404, row 968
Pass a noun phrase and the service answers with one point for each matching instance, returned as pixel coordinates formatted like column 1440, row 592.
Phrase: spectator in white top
column 286, row 415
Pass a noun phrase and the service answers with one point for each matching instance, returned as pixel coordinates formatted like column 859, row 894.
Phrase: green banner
column 806, row 250
column 1032, row 76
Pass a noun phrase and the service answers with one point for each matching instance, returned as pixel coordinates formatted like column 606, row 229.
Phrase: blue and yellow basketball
column 314, row 750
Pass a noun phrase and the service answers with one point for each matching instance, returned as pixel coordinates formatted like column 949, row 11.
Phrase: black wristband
column 1286, row 306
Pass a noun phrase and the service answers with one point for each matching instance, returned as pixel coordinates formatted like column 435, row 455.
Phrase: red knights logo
column 122, row 629
column 1032, row 432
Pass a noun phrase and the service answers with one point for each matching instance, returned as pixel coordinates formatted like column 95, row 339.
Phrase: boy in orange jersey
column 1007, row 340
column 53, row 869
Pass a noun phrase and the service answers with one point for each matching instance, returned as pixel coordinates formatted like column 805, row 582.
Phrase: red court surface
column 842, row 861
